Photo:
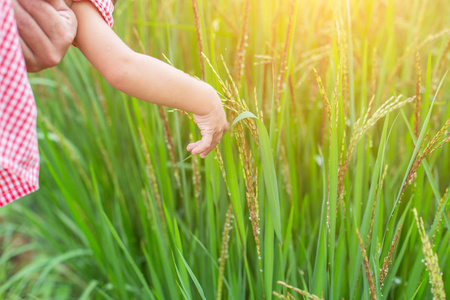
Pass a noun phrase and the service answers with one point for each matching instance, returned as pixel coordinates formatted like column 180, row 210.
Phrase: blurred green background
column 353, row 97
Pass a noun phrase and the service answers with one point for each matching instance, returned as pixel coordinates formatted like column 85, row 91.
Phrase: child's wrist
column 210, row 100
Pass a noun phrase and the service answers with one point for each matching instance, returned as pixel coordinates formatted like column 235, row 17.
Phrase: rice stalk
column 336, row 104
column 369, row 276
column 417, row 107
column 233, row 101
column 354, row 139
column 64, row 81
column 230, row 23
column 198, row 31
column 373, row 73
column 360, row 129
column 224, row 250
column 432, row 146
column 234, row 91
column 242, row 46
column 250, row 183
column 150, row 172
column 345, row 80
column 379, row 188
column 109, row 167
column 431, row 261
column 259, row 112
column 292, row 92
column 221, row 166
column 388, row 259
column 312, row 57
column 414, row 47
column 138, row 40
column 147, row 204
column 441, row 203
column 390, row 105
column 67, row 147
column 263, row 59
column 196, row 178
column 284, row 56
column 341, row 171
column 326, row 111
column 102, row 101
column 286, row 175
column 170, row 144
column 280, row 296
column 301, row 292
column 238, row 104
column 326, row 108
column 440, row 64
column 225, row 87
column 342, row 48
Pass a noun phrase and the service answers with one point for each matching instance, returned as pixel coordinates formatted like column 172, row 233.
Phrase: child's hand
column 212, row 127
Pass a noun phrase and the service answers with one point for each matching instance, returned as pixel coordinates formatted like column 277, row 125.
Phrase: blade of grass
column 192, row 275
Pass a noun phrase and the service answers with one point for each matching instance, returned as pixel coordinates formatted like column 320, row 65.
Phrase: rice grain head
column 431, row 261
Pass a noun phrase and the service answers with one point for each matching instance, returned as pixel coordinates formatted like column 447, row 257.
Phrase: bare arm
column 147, row 78
column 47, row 29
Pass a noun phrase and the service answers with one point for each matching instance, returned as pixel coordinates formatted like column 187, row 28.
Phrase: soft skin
column 47, row 28
column 148, row 78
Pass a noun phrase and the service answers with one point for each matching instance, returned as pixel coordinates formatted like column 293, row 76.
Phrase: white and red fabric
column 106, row 8
column 19, row 155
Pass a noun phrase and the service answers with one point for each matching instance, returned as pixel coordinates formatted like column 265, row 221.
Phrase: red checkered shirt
column 105, row 7
column 19, row 154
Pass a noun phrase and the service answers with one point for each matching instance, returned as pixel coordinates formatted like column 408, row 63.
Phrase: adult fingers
column 48, row 17
column 56, row 3
column 30, row 32
column 46, row 32
column 30, row 59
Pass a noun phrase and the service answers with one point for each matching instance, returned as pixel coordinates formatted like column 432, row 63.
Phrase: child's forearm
column 149, row 79
column 152, row 80
column 138, row 75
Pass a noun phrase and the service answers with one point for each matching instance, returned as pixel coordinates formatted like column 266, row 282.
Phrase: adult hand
column 47, row 28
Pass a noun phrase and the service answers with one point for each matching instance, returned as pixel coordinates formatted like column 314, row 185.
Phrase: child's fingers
column 192, row 146
column 216, row 141
column 205, row 143
column 203, row 155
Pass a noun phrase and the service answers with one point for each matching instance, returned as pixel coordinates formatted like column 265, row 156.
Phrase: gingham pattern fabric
column 19, row 155
column 105, row 7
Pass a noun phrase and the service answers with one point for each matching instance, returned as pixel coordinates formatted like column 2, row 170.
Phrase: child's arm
column 147, row 78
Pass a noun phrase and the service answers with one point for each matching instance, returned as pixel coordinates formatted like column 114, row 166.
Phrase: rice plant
column 332, row 182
